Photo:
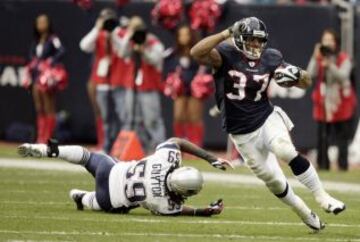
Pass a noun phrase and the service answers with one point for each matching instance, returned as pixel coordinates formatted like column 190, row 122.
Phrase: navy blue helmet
column 246, row 30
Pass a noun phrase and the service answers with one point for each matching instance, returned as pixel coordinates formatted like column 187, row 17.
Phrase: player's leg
column 268, row 170
column 99, row 165
column 278, row 140
column 72, row 153
column 84, row 199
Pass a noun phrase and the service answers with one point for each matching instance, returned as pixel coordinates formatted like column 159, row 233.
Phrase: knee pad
column 283, row 149
column 275, row 181
column 277, row 185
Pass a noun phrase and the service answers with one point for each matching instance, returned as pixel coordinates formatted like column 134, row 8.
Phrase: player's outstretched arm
column 204, row 51
column 213, row 209
column 188, row 147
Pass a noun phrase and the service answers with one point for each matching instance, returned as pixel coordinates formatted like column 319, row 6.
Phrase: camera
column 110, row 24
column 139, row 36
column 326, row 51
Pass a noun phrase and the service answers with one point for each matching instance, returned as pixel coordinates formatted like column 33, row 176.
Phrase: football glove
column 216, row 207
column 221, row 164
column 235, row 27
column 287, row 76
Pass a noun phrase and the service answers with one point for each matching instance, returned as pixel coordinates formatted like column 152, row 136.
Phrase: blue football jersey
column 241, row 88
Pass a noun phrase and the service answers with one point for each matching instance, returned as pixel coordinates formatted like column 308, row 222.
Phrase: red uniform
column 102, row 50
column 125, row 67
column 341, row 98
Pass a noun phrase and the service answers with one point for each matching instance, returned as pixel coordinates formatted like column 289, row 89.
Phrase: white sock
column 296, row 203
column 74, row 154
column 312, row 181
column 89, row 201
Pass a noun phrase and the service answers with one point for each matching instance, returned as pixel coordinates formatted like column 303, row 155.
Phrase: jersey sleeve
column 165, row 206
column 272, row 58
column 169, row 152
column 224, row 49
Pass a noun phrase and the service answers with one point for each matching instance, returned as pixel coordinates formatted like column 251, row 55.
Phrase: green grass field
column 35, row 207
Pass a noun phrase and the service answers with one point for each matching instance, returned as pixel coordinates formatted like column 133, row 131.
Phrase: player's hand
column 235, row 27
column 222, row 164
column 287, row 76
column 216, row 207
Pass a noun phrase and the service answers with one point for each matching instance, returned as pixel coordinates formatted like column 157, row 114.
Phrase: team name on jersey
column 157, row 181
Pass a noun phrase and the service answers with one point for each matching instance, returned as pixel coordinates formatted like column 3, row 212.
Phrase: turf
column 35, row 206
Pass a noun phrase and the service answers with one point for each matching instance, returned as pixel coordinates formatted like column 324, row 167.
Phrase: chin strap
column 53, row 148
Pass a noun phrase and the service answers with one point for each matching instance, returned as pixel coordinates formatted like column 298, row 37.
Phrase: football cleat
column 330, row 204
column 77, row 195
column 313, row 221
column 32, row 150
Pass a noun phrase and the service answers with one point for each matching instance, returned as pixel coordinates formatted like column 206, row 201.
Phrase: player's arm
column 304, row 80
column 213, row 209
column 288, row 75
column 188, row 147
column 204, row 51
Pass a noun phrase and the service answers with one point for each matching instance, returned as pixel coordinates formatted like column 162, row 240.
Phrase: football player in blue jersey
column 243, row 69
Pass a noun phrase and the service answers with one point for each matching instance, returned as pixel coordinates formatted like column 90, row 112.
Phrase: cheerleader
column 45, row 75
column 188, row 84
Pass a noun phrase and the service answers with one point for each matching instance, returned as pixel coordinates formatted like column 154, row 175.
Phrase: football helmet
column 245, row 32
column 185, row 181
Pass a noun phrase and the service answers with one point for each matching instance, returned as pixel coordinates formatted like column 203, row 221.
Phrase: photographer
column 333, row 97
column 98, row 42
column 142, row 55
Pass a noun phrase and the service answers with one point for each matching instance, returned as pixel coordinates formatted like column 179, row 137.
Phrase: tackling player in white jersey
column 156, row 182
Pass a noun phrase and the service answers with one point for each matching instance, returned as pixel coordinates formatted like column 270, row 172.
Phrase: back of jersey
column 166, row 158
column 145, row 181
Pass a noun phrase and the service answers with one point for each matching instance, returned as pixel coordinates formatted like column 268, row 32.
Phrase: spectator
column 45, row 53
column 333, row 97
column 98, row 41
column 142, row 53
column 188, row 110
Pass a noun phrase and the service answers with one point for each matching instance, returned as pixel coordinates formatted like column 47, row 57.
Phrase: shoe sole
column 27, row 151
column 339, row 210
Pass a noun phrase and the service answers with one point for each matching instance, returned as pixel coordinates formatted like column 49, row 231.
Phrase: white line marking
column 208, row 176
column 126, row 219
column 179, row 235
column 33, row 202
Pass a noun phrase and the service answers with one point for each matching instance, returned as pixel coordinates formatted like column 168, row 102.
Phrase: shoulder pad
column 272, row 58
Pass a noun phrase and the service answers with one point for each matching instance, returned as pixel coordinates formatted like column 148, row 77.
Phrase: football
column 287, row 75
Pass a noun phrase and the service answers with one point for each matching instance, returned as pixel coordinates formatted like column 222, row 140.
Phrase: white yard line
column 127, row 219
column 222, row 178
column 177, row 235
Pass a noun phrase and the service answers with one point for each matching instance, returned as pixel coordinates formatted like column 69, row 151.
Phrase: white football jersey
column 143, row 182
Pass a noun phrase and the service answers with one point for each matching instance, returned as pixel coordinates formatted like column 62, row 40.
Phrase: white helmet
column 185, row 181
